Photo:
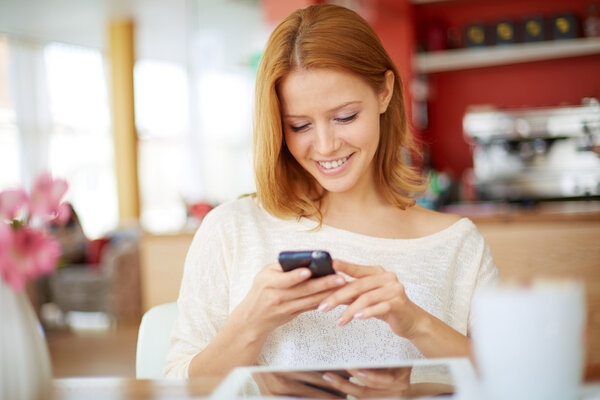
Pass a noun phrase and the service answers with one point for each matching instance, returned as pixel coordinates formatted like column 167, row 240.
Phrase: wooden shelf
column 451, row 60
column 427, row 1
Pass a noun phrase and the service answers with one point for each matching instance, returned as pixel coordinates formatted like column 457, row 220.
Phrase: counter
column 544, row 211
column 553, row 240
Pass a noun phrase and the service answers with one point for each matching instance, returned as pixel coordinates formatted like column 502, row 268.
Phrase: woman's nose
column 325, row 140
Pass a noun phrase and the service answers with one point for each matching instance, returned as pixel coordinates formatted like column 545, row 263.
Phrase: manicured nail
column 359, row 315
column 340, row 321
column 305, row 273
column 362, row 374
column 323, row 306
column 327, row 378
column 339, row 281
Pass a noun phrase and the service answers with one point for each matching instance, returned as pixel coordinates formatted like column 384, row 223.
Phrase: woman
column 330, row 148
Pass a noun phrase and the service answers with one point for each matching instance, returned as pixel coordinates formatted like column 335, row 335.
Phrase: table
column 112, row 388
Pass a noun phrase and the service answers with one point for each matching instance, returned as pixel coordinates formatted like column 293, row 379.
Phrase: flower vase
column 25, row 369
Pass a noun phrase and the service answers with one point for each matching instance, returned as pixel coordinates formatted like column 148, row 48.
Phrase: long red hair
column 326, row 36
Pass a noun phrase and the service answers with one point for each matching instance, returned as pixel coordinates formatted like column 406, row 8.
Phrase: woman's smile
column 334, row 166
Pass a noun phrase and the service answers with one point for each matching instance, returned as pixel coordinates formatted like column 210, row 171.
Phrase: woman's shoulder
column 429, row 222
column 245, row 209
column 231, row 208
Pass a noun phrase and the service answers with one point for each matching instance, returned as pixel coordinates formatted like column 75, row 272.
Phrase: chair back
column 153, row 340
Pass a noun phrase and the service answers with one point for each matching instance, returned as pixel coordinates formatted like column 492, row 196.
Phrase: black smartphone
column 318, row 261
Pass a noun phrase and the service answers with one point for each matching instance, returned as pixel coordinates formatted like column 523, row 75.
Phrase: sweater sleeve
column 203, row 297
column 487, row 276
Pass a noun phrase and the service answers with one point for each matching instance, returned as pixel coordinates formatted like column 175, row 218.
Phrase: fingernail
column 340, row 321
column 323, row 306
column 362, row 373
column 359, row 315
column 327, row 378
column 339, row 281
column 305, row 273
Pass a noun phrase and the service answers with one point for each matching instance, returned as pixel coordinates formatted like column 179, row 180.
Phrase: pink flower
column 5, row 239
column 11, row 203
column 46, row 196
column 26, row 253
column 65, row 210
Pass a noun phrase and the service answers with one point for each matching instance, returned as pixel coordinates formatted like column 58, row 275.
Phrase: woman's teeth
column 333, row 164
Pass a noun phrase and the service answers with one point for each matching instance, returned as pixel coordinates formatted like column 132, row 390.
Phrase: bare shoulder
column 431, row 221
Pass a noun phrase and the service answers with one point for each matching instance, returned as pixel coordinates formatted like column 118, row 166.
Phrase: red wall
column 532, row 84
column 394, row 22
column 276, row 10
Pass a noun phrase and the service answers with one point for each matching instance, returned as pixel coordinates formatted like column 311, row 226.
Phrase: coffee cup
column 528, row 340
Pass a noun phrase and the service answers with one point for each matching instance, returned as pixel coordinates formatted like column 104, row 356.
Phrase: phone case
column 318, row 261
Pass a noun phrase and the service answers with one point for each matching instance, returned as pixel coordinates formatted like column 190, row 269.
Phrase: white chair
column 153, row 340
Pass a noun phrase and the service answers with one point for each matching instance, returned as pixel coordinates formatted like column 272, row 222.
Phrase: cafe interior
column 144, row 108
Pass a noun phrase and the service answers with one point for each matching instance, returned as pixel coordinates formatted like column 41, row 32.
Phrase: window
column 194, row 120
column 225, row 101
column 10, row 169
column 226, row 40
column 161, row 99
column 54, row 116
column 81, row 145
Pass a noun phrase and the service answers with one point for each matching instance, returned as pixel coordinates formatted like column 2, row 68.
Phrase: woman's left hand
column 376, row 293
column 373, row 383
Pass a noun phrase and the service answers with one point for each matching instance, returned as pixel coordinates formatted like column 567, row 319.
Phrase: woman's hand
column 373, row 383
column 376, row 293
column 299, row 384
column 277, row 297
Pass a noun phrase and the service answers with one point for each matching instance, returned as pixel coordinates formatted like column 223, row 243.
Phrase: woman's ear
column 385, row 95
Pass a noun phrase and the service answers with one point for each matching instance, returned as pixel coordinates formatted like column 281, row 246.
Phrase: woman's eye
column 347, row 119
column 299, row 128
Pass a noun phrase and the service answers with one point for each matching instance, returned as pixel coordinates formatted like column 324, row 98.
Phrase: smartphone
column 318, row 261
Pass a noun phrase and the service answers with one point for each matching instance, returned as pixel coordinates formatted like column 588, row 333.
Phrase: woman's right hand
column 372, row 383
column 277, row 297
column 298, row 384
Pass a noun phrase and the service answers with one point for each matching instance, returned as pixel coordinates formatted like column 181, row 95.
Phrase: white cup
column 528, row 340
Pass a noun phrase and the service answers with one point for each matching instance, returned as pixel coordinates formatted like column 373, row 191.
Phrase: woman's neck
column 360, row 211
column 363, row 196
column 347, row 204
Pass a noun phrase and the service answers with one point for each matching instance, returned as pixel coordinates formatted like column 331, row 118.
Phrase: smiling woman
column 330, row 146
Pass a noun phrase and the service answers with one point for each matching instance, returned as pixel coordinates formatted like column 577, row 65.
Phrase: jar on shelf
column 591, row 25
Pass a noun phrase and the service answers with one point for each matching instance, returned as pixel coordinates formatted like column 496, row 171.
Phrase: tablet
column 433, row 378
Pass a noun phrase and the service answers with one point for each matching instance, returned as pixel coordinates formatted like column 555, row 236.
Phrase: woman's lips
column 334, row 166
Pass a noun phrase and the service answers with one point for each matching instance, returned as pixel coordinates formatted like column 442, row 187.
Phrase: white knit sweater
column 440, row 273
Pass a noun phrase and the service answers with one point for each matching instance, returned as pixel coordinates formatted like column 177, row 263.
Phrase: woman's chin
column 336, row 187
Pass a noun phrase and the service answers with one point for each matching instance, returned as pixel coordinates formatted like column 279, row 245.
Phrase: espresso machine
column 537, row 153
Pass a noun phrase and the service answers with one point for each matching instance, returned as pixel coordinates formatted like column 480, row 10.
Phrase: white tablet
column 428, row 378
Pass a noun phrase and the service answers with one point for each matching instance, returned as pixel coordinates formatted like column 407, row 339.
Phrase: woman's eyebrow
column 334, row 109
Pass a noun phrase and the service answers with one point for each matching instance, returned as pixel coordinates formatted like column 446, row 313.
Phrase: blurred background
column 145, row 108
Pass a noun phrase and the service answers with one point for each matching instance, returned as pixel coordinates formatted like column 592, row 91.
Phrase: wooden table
column 132, row 389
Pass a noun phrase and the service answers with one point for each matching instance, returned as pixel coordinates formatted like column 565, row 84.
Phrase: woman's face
column 331, row 125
